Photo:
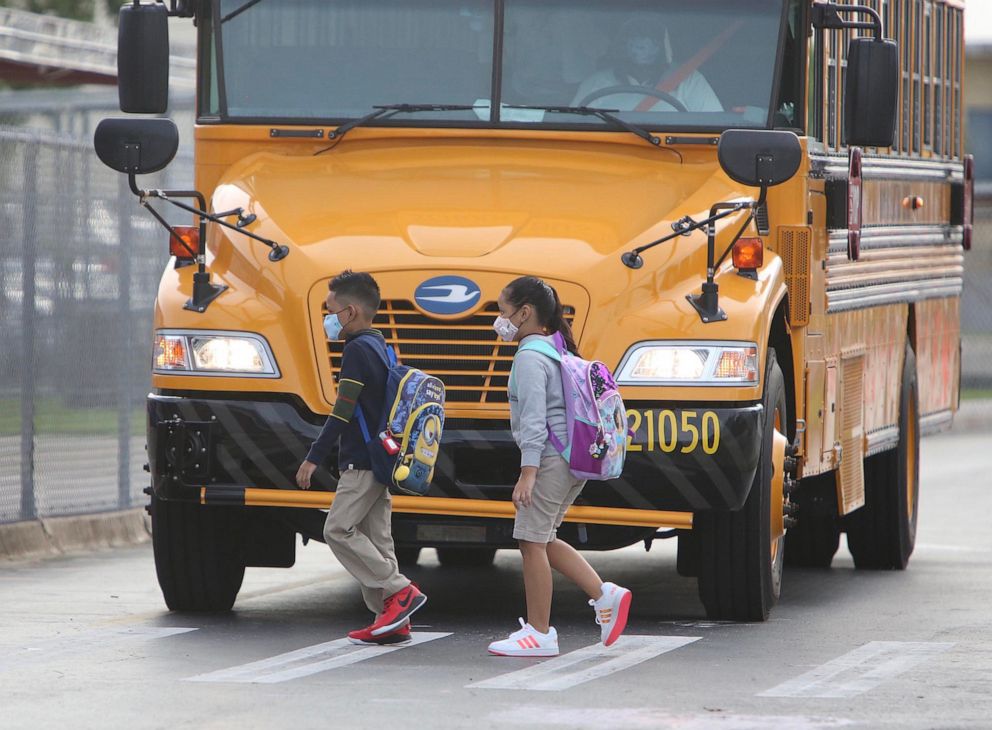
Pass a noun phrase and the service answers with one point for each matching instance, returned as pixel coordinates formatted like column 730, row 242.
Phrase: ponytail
column 544, row 299
column 561, row 325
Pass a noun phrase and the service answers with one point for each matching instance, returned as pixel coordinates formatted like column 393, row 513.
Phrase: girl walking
column 546, row 488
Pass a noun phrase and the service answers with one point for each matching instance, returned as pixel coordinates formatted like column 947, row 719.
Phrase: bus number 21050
column 673, row 431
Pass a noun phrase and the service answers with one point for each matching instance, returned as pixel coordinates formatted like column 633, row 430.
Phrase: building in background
column 978, row 103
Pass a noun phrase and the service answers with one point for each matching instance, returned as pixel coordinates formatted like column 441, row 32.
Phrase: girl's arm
column 531, row 378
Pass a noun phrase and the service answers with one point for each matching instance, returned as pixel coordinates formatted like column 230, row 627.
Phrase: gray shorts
column 553, row 494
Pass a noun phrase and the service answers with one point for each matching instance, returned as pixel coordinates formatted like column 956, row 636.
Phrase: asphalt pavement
column 86, row 642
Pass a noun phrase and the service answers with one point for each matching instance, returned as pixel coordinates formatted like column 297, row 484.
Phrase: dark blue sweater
column 362, row 381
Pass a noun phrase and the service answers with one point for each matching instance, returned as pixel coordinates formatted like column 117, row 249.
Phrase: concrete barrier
column 54, row 536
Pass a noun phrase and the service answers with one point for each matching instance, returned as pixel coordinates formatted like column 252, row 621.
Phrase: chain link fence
column 78, row 275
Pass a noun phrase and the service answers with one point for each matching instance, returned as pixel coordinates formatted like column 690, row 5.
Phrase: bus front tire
column 740, row 565
column 198, row 556
column 881, row 534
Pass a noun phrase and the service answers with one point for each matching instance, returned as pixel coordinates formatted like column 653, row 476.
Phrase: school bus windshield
column 668, row 63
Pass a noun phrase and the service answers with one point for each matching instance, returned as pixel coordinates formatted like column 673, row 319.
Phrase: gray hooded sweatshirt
column 537, row 400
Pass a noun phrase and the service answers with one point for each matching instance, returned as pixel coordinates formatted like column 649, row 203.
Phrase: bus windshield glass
column 658, row 64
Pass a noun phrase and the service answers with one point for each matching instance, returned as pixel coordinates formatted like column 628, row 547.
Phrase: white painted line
column 80, row 643
column 309, row 660
column 950, row 548
column 859, row 670
column 586, row 664
column 649, row 718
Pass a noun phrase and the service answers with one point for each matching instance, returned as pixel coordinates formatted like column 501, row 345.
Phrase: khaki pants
column 359, row 532
column 554, row 492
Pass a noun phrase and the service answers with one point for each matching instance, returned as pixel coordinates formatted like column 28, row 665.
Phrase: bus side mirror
column 136, row 146
column 871, row 92
column 758, row 157
column 143, row 59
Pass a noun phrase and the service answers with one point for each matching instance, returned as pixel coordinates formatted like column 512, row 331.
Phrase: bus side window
column 790, row 95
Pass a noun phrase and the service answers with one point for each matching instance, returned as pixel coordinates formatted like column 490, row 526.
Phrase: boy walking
column 358, row 528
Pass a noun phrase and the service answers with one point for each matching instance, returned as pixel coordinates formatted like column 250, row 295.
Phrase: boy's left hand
column 304, row 473
column 525, row 487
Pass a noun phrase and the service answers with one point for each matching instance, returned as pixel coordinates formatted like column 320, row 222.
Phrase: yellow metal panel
column 477, row 508
column 938, row 343
column 850, row 476
column 795, row 249
column 814, row 445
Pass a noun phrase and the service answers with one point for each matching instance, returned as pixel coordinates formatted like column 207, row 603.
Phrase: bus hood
column 409, row 211
column 560, row 209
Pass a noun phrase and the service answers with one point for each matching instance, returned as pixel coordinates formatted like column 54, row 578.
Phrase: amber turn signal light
column 186, row 243
column 749, row 253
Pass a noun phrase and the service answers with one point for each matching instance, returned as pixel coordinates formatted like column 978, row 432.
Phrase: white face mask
column 506, row 330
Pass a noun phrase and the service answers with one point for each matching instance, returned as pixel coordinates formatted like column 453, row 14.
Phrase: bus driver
column 642, row 57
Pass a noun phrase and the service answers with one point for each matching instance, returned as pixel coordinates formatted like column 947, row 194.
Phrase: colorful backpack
column 596, row 415
column 407, row 439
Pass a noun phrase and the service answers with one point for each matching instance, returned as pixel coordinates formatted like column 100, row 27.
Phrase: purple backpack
column 596, row 416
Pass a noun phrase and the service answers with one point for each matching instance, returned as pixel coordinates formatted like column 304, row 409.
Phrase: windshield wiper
column 237, row 11
column 388, row 110
column 589, row 111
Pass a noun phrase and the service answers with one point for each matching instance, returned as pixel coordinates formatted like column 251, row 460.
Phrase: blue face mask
column 332, row 326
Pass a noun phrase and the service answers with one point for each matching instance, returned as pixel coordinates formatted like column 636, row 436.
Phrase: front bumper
column 682, row 457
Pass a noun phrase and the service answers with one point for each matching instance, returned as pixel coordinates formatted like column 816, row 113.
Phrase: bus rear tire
column 453, row 557
column 881, row 534
column 198, row 556
column 740, row 565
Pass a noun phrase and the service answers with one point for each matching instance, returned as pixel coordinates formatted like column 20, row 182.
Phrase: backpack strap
column 386, row 352
column 542, row 347
column 388, row 355
column 555, row 354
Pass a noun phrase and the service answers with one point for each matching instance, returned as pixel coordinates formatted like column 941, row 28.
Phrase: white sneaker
column 528, row 641
column 611, row 610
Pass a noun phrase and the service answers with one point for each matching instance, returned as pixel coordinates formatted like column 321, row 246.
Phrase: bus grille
column 465, row 354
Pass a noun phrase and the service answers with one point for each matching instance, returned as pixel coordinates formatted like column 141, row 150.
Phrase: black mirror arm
column 204, row 292
column 707, row 302
column 632, row 259
column 277, row 253
column 826, row 16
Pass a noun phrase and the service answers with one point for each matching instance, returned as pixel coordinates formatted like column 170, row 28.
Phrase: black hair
column 544, row 299
column 357, row 287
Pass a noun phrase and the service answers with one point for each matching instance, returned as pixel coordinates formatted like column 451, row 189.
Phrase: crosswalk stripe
column 309, row 660
column 859, row 670
column 586, row 664
column 86, row 641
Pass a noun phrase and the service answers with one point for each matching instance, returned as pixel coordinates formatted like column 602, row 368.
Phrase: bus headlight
column 213, row 353
column 689, row 363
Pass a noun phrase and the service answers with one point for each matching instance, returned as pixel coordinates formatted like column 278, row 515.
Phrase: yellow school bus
column 756, row 219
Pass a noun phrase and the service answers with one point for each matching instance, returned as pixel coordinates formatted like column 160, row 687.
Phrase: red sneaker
column 364, row 636
column 397, row 610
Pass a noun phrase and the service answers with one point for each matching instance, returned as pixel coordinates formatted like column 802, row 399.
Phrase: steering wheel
column 629, row 89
